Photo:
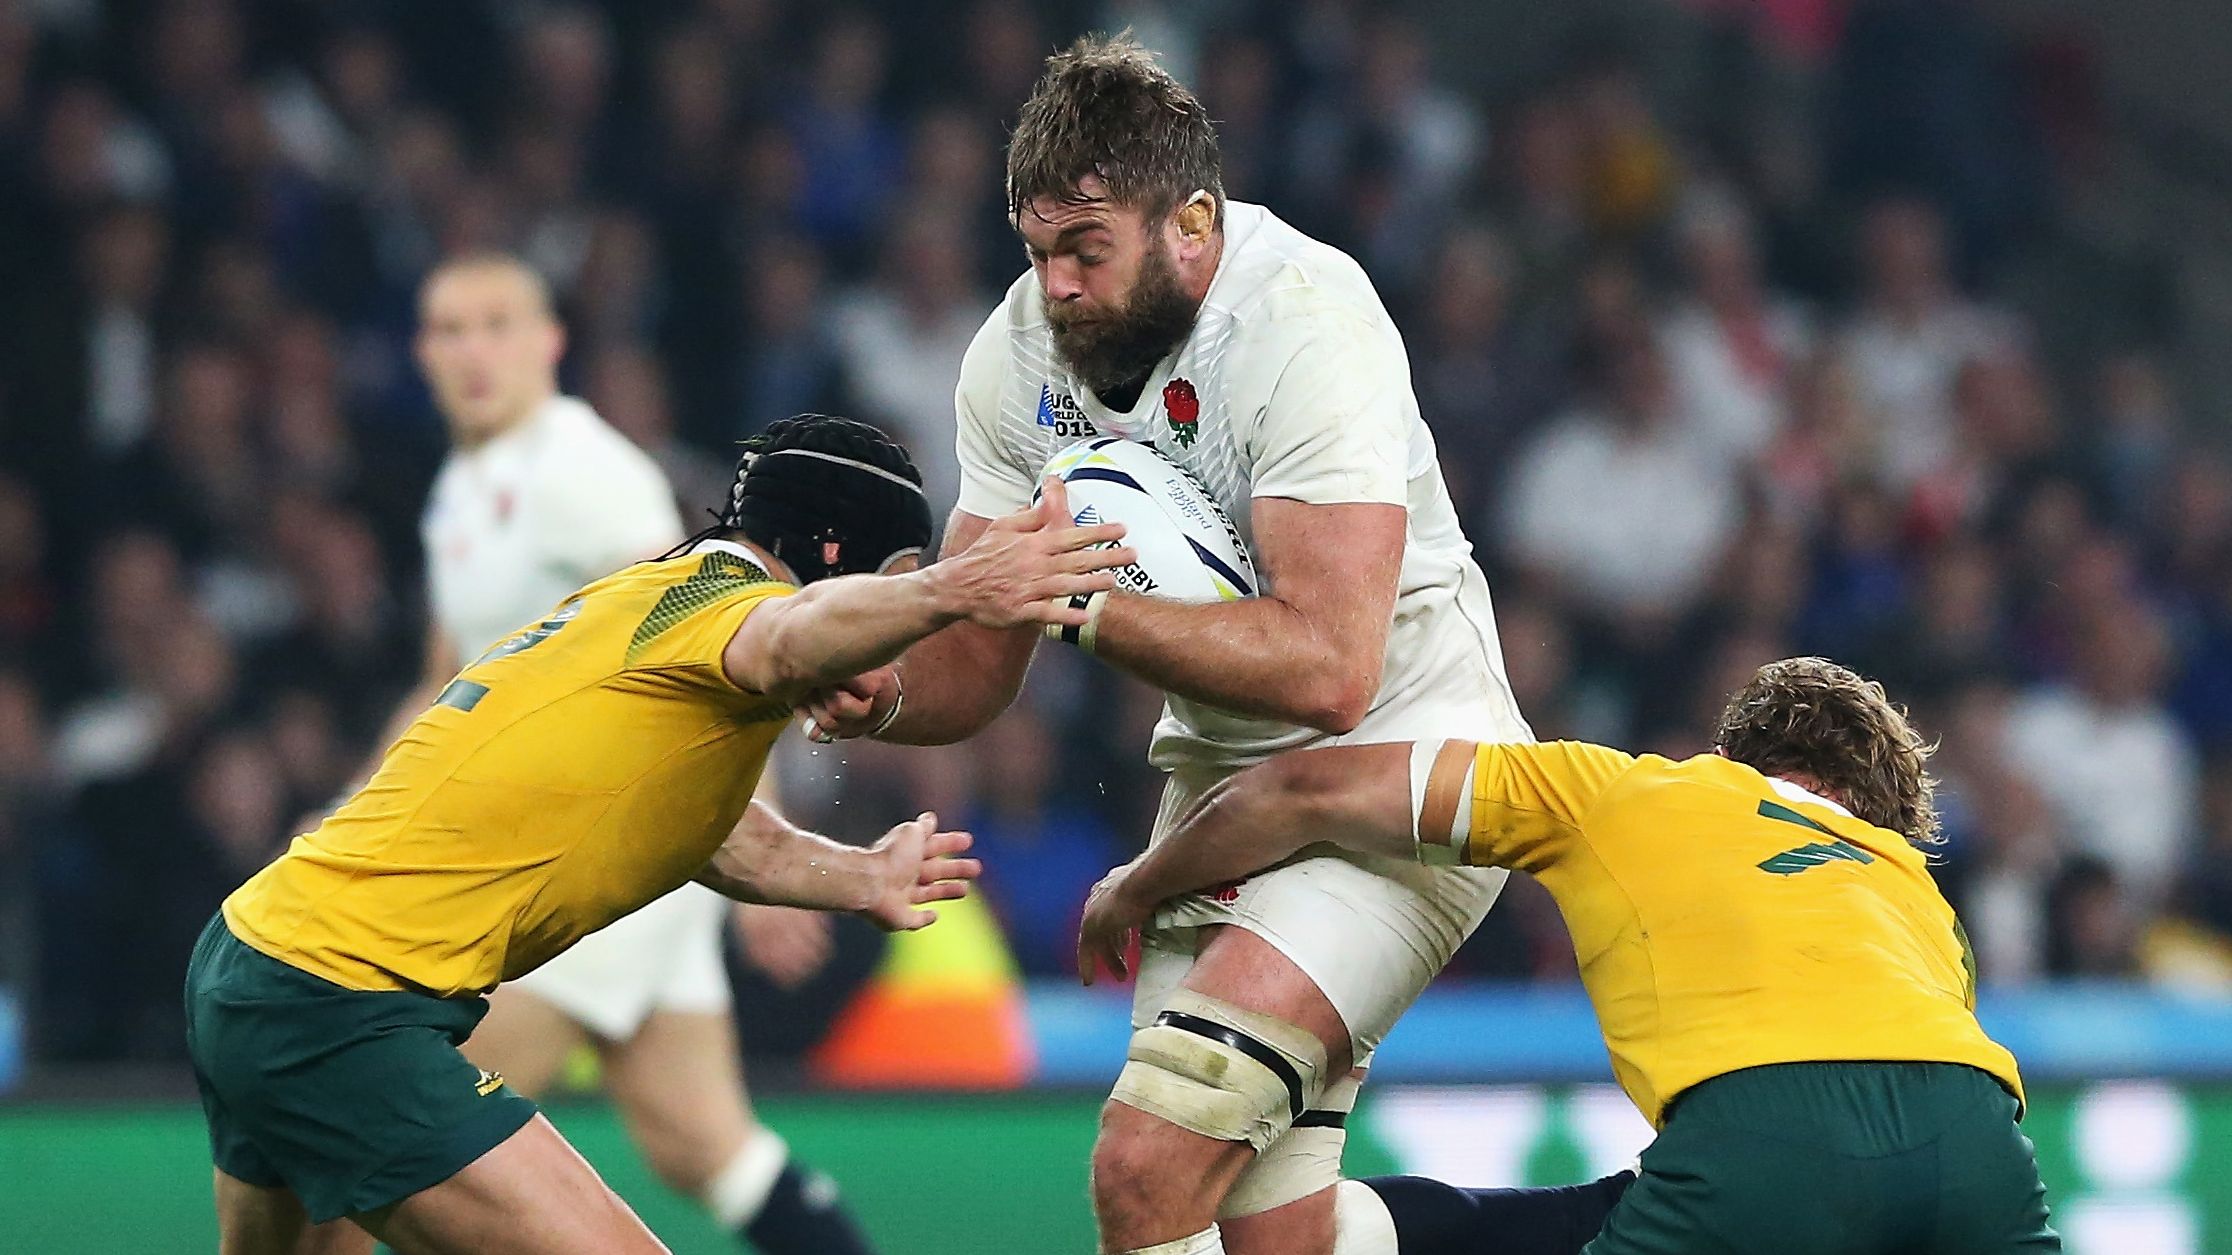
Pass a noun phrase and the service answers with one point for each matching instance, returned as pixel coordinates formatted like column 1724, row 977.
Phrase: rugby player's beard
column 1113, row 353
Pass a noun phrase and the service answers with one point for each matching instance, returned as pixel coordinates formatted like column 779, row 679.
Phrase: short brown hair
column 1106, row 107
column 1810, row 717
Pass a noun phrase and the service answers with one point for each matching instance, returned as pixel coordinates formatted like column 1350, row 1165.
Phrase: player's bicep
column 993, row 482
column 1518, row 805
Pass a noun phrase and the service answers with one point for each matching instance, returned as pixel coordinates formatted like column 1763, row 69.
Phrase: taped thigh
column 1222, row 1071
column 1307, row 1159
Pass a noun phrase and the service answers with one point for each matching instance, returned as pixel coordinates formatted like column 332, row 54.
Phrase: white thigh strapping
column 665, row 957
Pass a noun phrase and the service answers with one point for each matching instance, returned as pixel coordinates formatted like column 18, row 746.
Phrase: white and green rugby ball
column 1188, row 548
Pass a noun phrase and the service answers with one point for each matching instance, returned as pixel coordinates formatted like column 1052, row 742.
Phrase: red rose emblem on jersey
column 1184, row 409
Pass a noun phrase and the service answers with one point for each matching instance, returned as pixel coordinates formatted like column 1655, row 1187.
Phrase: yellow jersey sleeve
column 1529, row 800
column 692, row 622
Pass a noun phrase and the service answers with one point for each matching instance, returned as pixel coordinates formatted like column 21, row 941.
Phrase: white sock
column 1205, row 1242
column 736, row 1194
column 1361, row 1223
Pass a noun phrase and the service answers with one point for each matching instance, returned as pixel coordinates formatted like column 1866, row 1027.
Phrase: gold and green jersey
column 579, row 769
column 1724, row 919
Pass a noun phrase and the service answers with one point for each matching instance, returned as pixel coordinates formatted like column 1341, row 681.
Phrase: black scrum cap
column 828, row 496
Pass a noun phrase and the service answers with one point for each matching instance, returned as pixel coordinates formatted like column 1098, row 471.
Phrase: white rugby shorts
column 665, row 957
column 1371, row 933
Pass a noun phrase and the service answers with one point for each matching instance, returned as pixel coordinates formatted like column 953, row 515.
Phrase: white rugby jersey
column 514, row 526
column 1293, row 383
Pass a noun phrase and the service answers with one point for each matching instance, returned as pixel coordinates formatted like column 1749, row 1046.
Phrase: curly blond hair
column 1811, row 718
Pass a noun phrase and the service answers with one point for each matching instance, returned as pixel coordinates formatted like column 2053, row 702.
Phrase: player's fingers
column 921, row 919
column 935, row 870
column 1080, row 561
column 1085, row 537
column 860, row 688
column 943, row 891
column 941, row 844
column 1054, row 500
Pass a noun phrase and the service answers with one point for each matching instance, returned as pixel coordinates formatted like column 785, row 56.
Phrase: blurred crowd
column 1757, row 366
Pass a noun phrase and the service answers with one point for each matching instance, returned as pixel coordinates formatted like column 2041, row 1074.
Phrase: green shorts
column 351, row 1099
column 1837, row 1159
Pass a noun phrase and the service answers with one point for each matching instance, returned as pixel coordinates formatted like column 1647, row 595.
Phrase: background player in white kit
column 539, row 497
column 1263, row 362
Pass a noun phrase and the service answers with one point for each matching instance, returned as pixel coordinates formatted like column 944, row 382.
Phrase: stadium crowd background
column 1824, row 347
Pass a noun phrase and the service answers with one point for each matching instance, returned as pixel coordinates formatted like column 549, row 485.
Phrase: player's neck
column 465, row 438
column 767, row 562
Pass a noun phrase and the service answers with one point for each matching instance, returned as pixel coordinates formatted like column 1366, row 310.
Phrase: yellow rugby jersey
column 579, row 769
column 1725, row 920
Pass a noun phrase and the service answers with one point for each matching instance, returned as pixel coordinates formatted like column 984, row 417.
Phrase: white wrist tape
column 1441, row 780
column 1087, row 634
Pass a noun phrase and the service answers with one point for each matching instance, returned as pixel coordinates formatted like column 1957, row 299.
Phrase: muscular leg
column 532, row 1195
column 262, row 1220
column 524, row 1039
column 1154, row 1182
column 680, row 1086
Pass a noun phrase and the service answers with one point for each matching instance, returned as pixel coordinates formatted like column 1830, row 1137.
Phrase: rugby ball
column 1188, row 548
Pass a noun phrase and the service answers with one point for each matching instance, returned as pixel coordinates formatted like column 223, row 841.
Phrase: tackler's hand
column 1112, row 917
column 1030, row 568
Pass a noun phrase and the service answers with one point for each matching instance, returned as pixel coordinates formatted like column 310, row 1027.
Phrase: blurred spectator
column 1911, row 336
column 2135, row 440
column 900, row 341
column 1733, row 346
column 30, row 602
column 1042, row 853
column 1954, row 627
column 1377, row 161
column 627, row 388
column 1630, row 165
column 2006, row 853
column 123, row 261
column 2093, row 930
column 2106, row 755
column 1615, row 501
column 30, row 810
column 788, row 361
column 1481, row 378
column 1926, row 94
column 848, row 144
column 1244, row 96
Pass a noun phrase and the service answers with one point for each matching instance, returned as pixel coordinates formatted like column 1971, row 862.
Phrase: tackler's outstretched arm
column 1353, row 796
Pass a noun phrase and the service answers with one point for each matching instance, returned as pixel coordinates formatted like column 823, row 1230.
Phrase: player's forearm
column 768, row 860
column 1355, row 797
column 837, row 629
column 1260, row 656
column 1237, row 828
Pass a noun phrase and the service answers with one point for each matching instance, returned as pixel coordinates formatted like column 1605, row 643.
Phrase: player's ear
column 1196, row 219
